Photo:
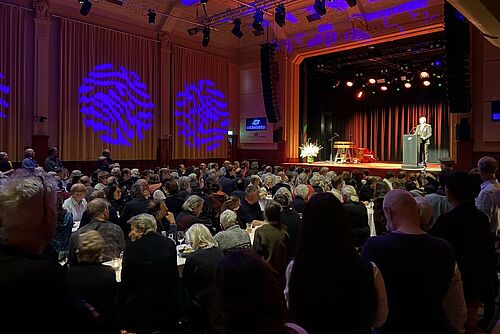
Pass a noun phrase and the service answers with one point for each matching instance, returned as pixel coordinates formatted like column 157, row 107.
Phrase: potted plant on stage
column 310, row 151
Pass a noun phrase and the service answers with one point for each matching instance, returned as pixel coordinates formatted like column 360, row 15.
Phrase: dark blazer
column 298, row 204
column 174, row 203
column 152, row 296
column 96, row 284
column 366, row 192
column 227, row 185
column 358, row 216
column 132, row 208
column 290, row 218
column 186, row 219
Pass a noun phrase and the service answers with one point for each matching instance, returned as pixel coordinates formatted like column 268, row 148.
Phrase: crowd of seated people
column 295, row 250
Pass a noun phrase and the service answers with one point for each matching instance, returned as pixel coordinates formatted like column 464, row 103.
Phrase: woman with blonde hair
column 199, row 274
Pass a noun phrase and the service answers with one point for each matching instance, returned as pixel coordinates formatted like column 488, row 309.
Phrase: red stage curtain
column 83, row 47
column 16, row 65
column 188, row 68
column 381, row 129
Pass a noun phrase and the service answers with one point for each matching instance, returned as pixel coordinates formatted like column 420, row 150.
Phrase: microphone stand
column 331, row 146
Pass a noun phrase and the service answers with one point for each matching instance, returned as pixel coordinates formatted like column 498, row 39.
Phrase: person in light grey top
column 231, row 236
column 76, row 204
column 424, row 131
column 487, row 167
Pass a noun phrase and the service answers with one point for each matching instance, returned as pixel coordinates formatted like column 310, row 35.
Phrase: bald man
column 418, row 271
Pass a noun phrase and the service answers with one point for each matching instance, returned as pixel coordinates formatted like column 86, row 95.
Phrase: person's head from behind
column 193, row 204
column 272, row 212
column 302, row 191
column 28, row 213
column 78, row 191
column 85, row 180
column 389, row 175
column 98, row 209
column 282, row 200
column 487, row 167
column 233, row 203
column 240, row 184
column 246, row 285
column 199, row 236
column 349, row 194
column 337, row 182
column 285, row 192
column 425, row 213
column 228, row 218
column 400, row 210
column 157, row 208
column 141, row 225
column 252, row 194
column 90, row 246
column 460, row 187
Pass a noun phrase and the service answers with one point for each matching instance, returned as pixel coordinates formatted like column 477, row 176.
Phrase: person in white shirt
column 389, row 177
column 76, row 204
column 484, row 202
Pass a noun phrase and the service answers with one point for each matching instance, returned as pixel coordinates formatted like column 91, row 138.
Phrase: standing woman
column 327, row 270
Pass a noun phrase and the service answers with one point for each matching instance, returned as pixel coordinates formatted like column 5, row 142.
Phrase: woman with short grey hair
column 191, row 209
column 140, row 225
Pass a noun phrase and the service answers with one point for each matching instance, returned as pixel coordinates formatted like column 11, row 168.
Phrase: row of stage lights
column 383, row 85
column 86, row 6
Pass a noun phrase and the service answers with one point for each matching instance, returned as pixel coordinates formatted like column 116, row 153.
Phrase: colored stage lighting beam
column 279, row 15
column 237, row 28
column 115, row 103
column 201, row 115
column 4, row 91
column 86, row 7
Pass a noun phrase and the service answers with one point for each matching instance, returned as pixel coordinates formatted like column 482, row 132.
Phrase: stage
column 375, row 168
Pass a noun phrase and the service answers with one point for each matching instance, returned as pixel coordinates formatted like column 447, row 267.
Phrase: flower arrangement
column 310, row 150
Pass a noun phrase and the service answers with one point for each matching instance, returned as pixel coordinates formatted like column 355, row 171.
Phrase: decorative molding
column 42, row 11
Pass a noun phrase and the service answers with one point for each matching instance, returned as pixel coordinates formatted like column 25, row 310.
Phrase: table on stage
column 345, row 151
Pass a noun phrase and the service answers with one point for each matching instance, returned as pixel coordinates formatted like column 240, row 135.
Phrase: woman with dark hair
column 114, row 197
column 217, row 198
column 327, row 270
column 246, row 286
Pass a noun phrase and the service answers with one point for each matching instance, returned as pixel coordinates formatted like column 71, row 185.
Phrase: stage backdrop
column 200, row 104
column 16, row 80
column 381, row 129
column 109, row 84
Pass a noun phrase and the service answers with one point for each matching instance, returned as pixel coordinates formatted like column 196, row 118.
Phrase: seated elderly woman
column 199, row 274
column 191, row 210
column 93, row 282
column 301, row 197
column 232, row 236
column 357, row 215
column 152, row 297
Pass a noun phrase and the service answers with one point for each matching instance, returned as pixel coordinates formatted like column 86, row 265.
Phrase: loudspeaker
column 457, row 50
column 462, row 130
column 278, row 135
column 269, row 70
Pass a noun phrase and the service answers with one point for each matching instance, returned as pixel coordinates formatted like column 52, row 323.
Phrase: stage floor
column 375, row 168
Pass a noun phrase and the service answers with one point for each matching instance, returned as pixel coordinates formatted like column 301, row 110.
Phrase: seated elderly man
column 301, row 197
column 250, row 211
column 111, row 233
column 76, row 204
column 231, row 236
column 31, row 285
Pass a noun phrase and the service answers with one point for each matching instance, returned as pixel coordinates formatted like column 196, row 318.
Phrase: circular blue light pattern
column 201, row 115
column 115, row 103
column 4, row 91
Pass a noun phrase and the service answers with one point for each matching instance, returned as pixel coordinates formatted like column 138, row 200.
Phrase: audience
column 76, row 204
column 29, row 163
column 357, row 214
column 52, row 163
column 232, row 236
column 191, row 210
column 289, row 219
column 301, row 197
column 250, row 211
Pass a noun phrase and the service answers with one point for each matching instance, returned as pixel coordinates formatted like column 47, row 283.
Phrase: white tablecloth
column 373, row 232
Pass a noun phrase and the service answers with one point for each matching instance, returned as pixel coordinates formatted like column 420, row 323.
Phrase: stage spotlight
column 407, row 85
column 151, row 16
column 372, row 81
column 237, row 28
column 279, row 15
column 424, row 75
column 426, row 83
column 258, row 17
column 351, row 3
column 360, row 94
column 319, row 7
column 206, row 36
column 349, row 84
column 383, row 88
column 86, row 6
column 193, row 31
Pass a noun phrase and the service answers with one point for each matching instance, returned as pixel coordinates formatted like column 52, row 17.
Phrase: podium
column 410, row 151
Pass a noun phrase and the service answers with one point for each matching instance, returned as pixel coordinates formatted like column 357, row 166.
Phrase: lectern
column 410, row 151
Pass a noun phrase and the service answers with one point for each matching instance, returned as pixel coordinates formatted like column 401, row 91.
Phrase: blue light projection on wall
column 201, row 115
column 115, row 103
column 4, row 91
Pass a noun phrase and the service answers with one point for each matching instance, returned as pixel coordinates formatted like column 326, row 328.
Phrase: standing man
column 487, row 167
column 52, row 163
column 29, row 163
column 424, row 131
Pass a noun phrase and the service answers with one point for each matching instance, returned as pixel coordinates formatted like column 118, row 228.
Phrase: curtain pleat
column 381, row 129
column 82, row 48
column 15, row 68
column 199, row 90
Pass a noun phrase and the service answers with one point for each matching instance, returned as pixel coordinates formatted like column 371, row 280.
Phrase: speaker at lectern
column 410, row 151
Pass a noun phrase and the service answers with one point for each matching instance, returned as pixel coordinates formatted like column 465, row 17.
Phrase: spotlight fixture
column 237, row 28
column 279, row 15
column 193, row 31
column 372, row 81
column 319, row 7
column 351, row 3
column 206, row 36
column 86, row 6
column 151, row 16
column 424, row 75
column 349, row 84
column 383, row 88
column 407, row 85
column 360, row 94
column 426, row 83
column 258, row 17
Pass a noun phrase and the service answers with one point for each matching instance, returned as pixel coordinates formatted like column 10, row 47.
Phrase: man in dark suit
column 138, row 205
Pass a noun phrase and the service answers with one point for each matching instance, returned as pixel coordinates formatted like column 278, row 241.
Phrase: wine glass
column 180, row 237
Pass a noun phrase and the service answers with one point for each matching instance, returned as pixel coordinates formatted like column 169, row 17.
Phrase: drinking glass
column 249, row 228
column 180, row 237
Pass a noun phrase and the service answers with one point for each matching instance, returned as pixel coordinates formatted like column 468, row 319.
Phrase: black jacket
column 298, row 204
column 291, row 219
column 132, row 208
column 358, row 216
